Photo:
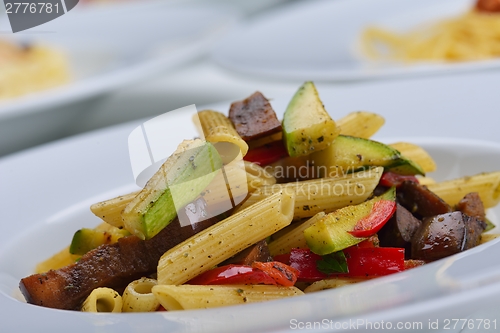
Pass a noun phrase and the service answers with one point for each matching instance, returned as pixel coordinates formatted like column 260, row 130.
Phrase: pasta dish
column 259, row 208
column 30, row 68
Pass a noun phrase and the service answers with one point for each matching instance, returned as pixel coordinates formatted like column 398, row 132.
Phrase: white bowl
column 46, row 194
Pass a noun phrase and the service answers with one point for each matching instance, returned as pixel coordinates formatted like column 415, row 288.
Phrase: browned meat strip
column 254, row 117
column 399, row 230
column 446, row 234
column 110, row 265
column 472, row 205
column 421, row 201
column 256, row 252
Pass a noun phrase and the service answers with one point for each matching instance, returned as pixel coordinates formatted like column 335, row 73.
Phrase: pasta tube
column 486, row 237
column 189, row 297
column 103, row 300
column 417, row 154
column 231, row 187
column 258, row 171
column 221, row 241
column 486, row 184
column 218, row 128
column 361, row 124
column 294, row 238
column 425, row 180
column 257, row 176
column 138, row 296
column 324, row 194
column 110, row 210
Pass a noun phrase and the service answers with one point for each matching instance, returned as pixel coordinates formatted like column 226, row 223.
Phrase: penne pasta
column 293, row 238
column 361, row 124
column 425, row 180
column 324, row 194
column 232, row 186
column 228, row 187
column 332, row 283
column 260, row 172
column 486, row 184
column 138, row 296
column 257, row 176
column 221, row 241
column 486, row 237
column 110, row 210
column 103, row 300
column 217, row 127
column 417, row 154
column 190, row 297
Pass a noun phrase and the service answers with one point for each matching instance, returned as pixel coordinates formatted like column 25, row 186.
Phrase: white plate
column 109, row 47
column 316, row 40
column 46, row 194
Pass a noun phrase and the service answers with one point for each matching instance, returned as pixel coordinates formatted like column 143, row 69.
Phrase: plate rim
column 99, row 84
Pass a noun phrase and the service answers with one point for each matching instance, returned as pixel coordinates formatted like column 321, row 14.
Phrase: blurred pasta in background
column 474, row 35
column 30, row 68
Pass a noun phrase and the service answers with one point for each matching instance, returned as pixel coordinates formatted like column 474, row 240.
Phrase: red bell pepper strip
column 361, row 262
column 283, row 274
column 376, row 261
column 304, row 261
column 390, row 179
column 267, row 154
column 233, row 274
column 369, row 225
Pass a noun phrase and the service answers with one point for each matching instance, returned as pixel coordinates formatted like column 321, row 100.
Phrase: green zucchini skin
column 352, row 153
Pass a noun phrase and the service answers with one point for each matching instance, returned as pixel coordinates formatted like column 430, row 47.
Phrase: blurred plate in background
column 317, row 40
column 108, row 47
